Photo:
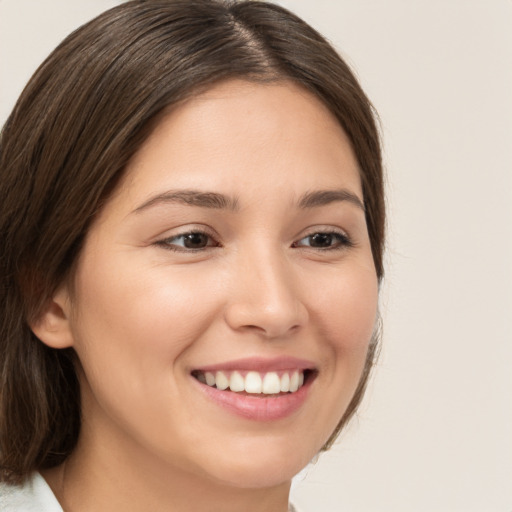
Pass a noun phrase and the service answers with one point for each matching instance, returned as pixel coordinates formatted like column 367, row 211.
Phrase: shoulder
column 33, row 496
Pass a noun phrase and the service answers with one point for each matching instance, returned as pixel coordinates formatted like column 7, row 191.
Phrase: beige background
column 435, row 433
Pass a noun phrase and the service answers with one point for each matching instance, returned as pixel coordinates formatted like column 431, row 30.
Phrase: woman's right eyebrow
column 193, row 198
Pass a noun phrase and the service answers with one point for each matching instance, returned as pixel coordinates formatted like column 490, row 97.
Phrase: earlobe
column 53, row 326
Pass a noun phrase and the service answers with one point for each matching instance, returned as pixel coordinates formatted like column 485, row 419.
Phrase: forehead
column 246, row 135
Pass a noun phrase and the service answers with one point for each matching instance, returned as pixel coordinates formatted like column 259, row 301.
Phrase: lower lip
column 257, row 408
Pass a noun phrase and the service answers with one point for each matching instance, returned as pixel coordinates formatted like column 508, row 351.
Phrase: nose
column 265, row 297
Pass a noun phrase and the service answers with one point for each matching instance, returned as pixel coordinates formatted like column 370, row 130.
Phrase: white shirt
column 34, row 495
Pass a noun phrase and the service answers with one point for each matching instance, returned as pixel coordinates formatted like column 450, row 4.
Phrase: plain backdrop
column 435, row 431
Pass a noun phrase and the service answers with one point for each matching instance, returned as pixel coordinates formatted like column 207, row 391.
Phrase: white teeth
column 221, row 381
column 253, row 382
column 269, row 383
column 285, row 383
column 294, row 382
column 236, row 382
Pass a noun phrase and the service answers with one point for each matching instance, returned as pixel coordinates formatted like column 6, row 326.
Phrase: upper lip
column 260, row 364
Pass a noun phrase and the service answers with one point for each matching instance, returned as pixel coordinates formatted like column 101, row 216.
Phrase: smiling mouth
column 263, row 384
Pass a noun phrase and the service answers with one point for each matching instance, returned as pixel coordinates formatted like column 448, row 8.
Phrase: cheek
column 347, row 312
column 141, row 318
column 347, row 306
column 133, row 329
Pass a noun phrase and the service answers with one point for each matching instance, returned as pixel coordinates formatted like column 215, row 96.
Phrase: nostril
column 266, row 302
column 268, row 322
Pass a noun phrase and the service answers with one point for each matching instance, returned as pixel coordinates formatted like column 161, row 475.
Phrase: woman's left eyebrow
column 318, row 198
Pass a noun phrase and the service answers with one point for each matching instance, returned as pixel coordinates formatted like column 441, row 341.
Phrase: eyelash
column 166, row 242
column 343, row 241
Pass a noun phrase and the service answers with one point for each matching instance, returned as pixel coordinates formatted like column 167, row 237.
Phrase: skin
column 142, row 316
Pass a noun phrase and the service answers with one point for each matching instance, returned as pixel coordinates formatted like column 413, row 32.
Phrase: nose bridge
column 265, row 295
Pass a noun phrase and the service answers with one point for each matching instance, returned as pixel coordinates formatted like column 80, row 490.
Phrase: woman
column 192, row 220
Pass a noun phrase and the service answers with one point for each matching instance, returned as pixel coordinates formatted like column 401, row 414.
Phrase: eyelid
column 346, row 240
column 165, row 241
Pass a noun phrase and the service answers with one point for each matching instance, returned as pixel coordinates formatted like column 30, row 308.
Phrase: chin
column 250, row 476
column 259, row 465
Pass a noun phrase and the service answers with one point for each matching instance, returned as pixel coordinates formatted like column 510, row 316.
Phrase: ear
column 53, row 326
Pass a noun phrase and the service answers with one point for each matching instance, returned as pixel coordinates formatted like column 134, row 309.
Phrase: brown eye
column 193, row 241
column 321, row 240
column 327, row 240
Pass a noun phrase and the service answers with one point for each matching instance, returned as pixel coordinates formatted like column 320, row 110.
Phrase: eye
column 191, row 241
column 324, row 240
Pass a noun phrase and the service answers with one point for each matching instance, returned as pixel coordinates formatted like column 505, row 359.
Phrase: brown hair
column 83, row 115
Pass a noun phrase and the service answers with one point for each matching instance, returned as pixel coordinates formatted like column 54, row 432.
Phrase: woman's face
column 234, row 253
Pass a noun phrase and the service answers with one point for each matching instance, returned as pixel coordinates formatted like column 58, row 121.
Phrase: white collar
column 34, row 495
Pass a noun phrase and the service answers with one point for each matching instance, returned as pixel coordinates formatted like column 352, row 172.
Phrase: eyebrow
column 218, row 201
column 192, row 198
column 324, row 197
